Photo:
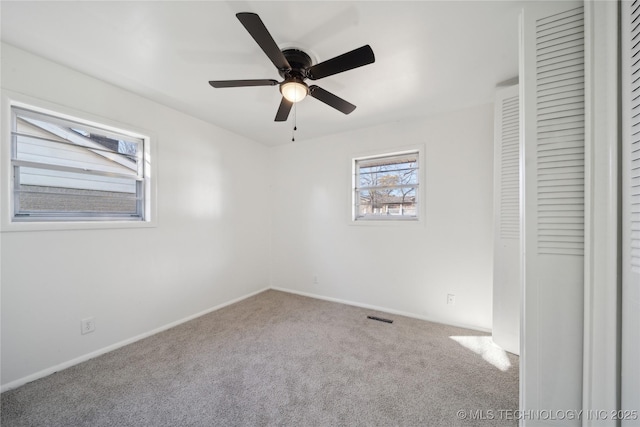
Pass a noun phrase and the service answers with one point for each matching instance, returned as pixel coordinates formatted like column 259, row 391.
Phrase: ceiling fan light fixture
column 294, row 90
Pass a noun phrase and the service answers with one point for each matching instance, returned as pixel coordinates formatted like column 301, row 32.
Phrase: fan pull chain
column 295, row 121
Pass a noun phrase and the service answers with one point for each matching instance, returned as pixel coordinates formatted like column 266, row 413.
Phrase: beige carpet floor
column 278, row 359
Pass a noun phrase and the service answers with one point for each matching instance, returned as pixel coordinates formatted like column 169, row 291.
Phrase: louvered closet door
column 554, row 114
column 630, row 392
column 506, row 241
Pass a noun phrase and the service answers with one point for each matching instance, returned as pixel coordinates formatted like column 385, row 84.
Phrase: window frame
column 8, row 222
column 356, row 219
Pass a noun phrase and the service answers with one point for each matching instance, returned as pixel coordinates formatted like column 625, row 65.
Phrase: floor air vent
column 380, row 319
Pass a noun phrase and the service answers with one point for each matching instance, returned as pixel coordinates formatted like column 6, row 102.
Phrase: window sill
column 391, row 222
column 73, row 225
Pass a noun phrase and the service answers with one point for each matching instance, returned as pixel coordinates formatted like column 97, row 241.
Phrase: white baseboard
column 48, row 371
column 381, row 309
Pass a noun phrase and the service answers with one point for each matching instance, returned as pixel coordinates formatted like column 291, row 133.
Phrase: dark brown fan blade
column 283, row 110
column 242, row 83
column 260, row 34
column 331, row 99
column 347, row 61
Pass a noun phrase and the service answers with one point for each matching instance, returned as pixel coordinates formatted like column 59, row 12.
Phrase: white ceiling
column 431, row 56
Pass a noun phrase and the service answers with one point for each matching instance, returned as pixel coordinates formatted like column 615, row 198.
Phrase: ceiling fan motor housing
column 299, row 62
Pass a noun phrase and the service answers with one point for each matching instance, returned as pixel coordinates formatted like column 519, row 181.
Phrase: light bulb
column 294, row 91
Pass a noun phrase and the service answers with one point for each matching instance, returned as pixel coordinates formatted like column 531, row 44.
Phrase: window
column 386, row 187
column 66, row 169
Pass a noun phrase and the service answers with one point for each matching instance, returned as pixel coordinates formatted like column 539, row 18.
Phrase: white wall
column 407, row 268
column 209, row 247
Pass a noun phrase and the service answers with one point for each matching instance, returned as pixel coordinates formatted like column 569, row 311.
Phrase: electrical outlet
column 315, row 280
column 87, row 325
column 451, row 299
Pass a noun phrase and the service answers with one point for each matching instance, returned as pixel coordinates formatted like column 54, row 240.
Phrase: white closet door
column 553, row 74
column 630, row 391
column 506, row 240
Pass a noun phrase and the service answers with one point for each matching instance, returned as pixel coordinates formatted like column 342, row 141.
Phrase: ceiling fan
column 295, row 66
